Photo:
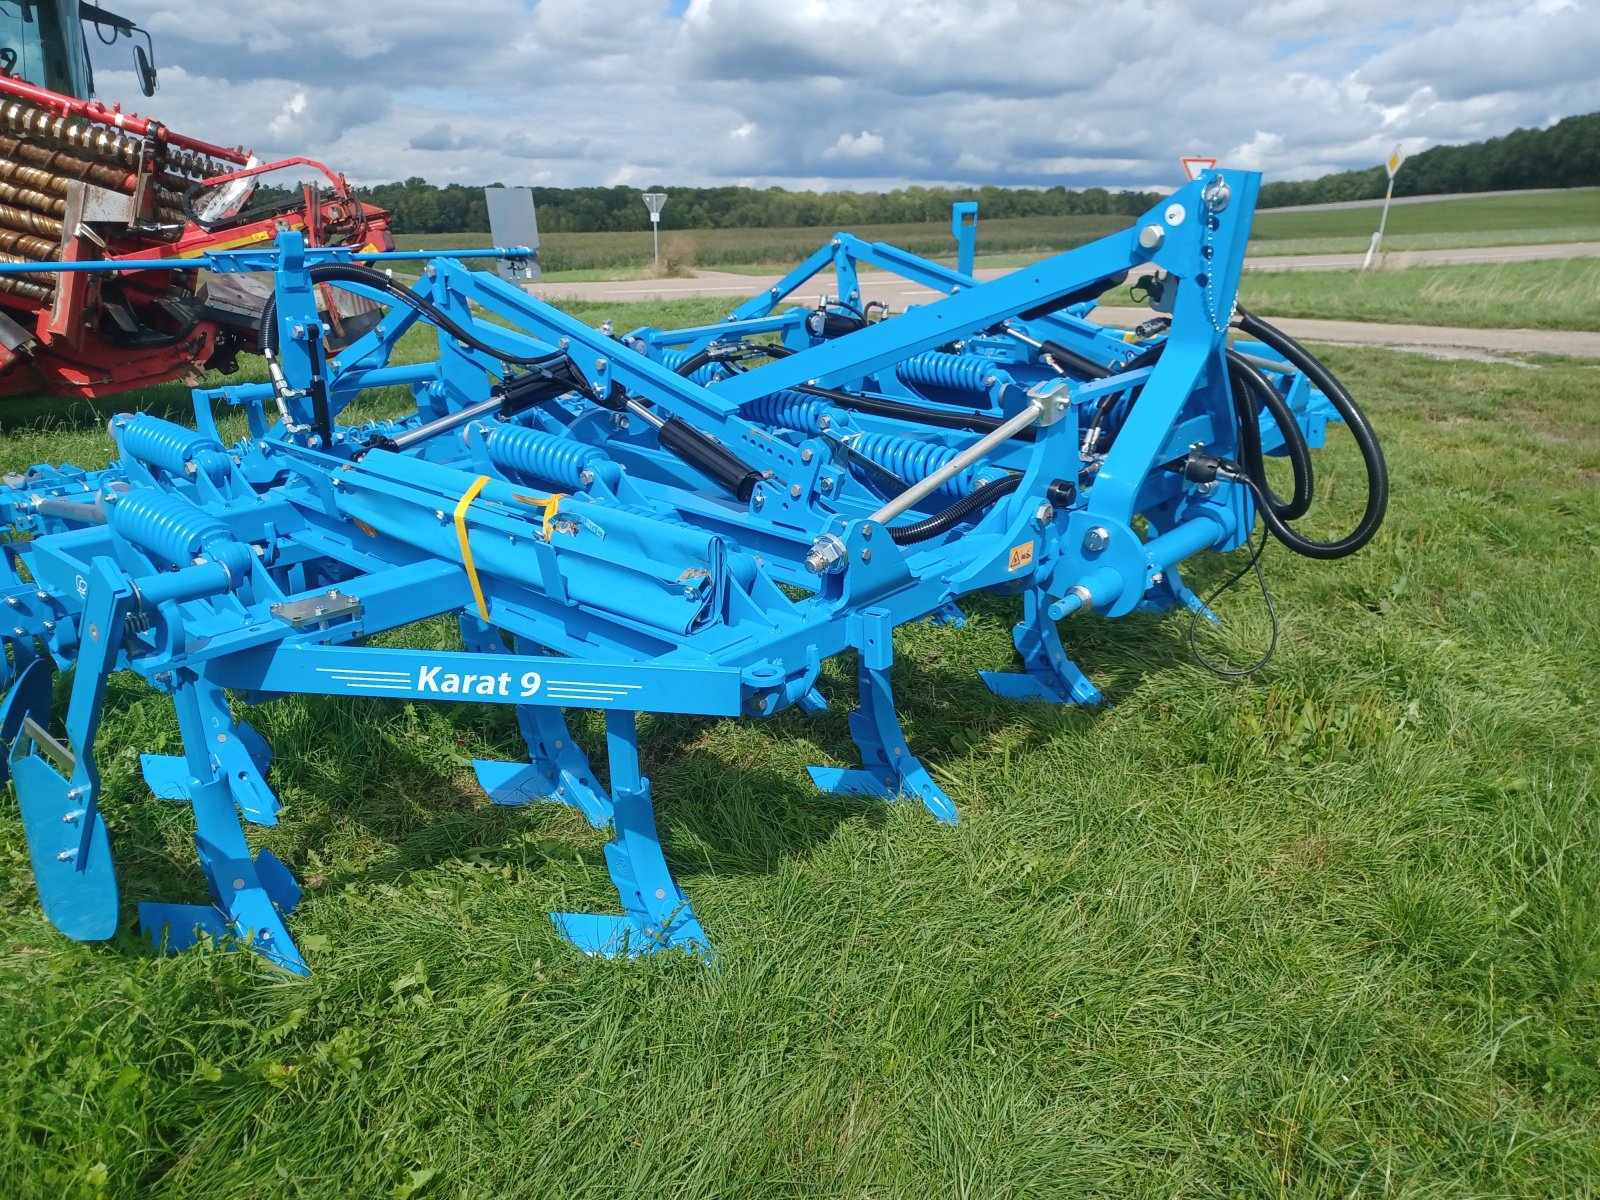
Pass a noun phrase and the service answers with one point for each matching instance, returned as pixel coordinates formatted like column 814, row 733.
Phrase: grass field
column 1502, row 220
column 1332, row 932
column 1558, row 294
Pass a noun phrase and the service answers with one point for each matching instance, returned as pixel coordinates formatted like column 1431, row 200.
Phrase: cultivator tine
column 1169, row 591
column 240, row 755
column 642, row 522
column 557, row 768
column 251, row 894
column 1047, row 673
column 888, row 768
column 655, row 913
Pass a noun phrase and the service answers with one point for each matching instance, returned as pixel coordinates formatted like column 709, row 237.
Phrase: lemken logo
column 453, row 683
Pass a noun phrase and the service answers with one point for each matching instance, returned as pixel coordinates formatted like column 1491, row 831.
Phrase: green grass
column 1334, row 932
column 1560, row 294
column 1570, row 216
column 1566, row 216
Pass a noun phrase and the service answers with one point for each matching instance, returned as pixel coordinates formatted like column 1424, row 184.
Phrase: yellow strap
column 467, row 498
column 551, row 507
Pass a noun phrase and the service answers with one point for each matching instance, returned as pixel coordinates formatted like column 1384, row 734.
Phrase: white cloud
column 845, row 94
column 856, row 145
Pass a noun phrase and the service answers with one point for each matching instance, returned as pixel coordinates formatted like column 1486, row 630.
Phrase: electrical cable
column 944, row 519
column 1272, row 616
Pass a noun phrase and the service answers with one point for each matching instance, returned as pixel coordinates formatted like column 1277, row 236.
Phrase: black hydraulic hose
column 368, row 277
column 932, row 527
column 1360, row 428
column 1250, row 387
column 692, row 364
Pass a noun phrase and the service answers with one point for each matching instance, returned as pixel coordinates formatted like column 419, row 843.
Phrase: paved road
column 1427, row 339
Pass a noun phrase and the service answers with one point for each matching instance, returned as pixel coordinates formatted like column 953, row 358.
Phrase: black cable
column 1360, row 428
column 1272, row 616
column 368, row 277
column 1249, row 388
column 932, row 527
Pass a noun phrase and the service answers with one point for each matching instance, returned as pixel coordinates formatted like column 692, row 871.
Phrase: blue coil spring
column 168, row 446
column 786, row 409
column 533, row 456
column 175, row 531
column 913, row 461
column 959, row 372
column 673, row 359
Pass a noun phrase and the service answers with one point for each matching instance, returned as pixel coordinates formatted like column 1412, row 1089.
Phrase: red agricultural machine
column 80, row 180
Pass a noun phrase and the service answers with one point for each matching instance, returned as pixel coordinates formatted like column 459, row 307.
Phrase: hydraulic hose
column 1250, row 387
column 1360, row 428
column 368, row 277
column 932, row 527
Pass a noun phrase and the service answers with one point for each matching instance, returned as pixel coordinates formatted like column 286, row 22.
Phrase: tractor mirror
column 147, row 71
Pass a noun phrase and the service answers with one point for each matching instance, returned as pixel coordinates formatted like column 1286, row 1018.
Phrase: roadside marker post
column 1376, row 248
column 655, row 202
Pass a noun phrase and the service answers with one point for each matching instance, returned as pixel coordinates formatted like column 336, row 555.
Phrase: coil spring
column 787, row 409
column 673, row 359
column 535, row 456
column 934, row 368
column 168, row 445
column 176, row 531
column 914, row 461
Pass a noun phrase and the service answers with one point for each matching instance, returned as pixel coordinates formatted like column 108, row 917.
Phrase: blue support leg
column 888, row 768
column 557, row 769
column 251, row 894
column 239, row 755
column 1047, row 673
column 655, row 913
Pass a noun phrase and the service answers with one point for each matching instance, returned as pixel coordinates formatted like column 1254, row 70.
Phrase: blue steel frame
column 587, row 564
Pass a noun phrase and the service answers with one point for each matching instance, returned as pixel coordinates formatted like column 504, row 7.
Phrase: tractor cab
column 46, row 43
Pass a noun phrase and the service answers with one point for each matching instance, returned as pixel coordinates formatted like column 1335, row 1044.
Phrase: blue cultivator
column 673, row 521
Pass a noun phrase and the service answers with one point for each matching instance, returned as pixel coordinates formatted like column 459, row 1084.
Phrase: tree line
column 1565, row 155
column 420, row 207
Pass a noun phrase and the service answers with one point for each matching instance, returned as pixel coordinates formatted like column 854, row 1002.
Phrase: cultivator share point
column 685, row 520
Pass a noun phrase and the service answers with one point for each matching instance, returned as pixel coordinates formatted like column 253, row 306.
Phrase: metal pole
column 655, row 233
column 959, row 463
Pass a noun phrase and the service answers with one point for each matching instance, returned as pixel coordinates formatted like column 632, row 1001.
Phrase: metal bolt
column 563, row 343
column 438, row 514
column 599, row 364
column 1151, row 237
column 73, row 817
column 1217, row 194
column 866, row 531
column 824, row 422
column 67, row 856
column 759, row 498
column 827, row 483
column 1097, row 539
column 94, row 633
column 1044, row 514
column 866, row 555
column 794, row 490
column 586, row 477
column 806, row 455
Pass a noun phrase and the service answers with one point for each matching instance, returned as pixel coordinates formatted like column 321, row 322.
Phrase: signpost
column 1193, row 168
column 655, row 202
column 1376, row 248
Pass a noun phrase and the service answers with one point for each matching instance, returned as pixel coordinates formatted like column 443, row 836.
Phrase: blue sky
column 855, row 93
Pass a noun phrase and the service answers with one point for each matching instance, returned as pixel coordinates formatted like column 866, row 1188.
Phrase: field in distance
column 1569, row 216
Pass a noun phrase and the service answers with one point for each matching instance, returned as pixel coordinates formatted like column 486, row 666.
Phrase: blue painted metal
column 592, row 561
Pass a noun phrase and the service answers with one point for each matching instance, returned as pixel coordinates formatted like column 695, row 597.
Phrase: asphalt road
column 1436, row 340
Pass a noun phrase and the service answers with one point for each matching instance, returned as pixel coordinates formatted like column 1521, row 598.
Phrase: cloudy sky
column 862, row 94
